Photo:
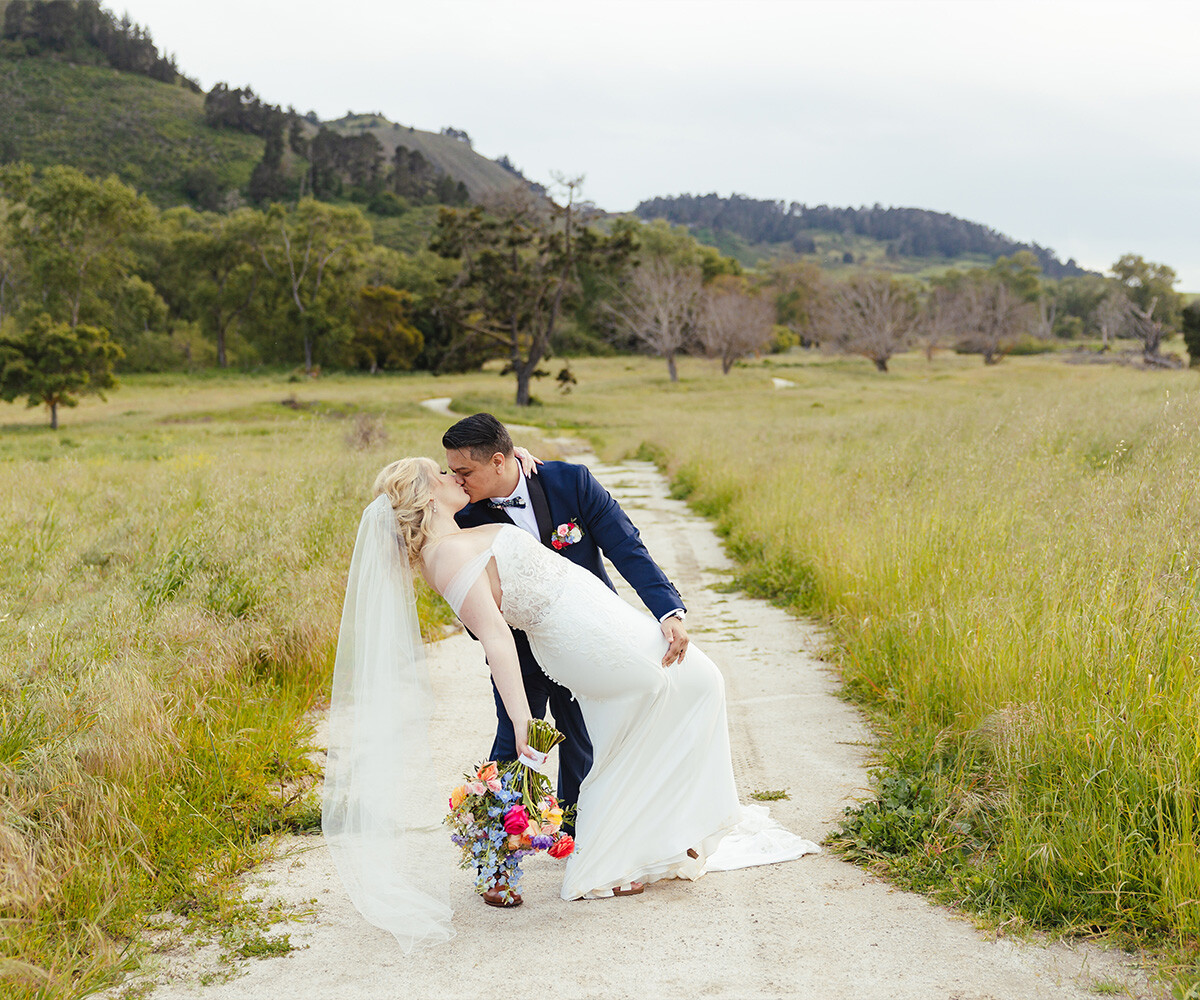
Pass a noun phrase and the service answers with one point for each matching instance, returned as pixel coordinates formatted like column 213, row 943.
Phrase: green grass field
column 1004, row 558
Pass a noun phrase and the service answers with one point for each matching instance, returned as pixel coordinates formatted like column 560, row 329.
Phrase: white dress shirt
column 523, row 517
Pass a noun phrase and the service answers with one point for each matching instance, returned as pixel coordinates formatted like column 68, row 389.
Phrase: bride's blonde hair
column 408, row 483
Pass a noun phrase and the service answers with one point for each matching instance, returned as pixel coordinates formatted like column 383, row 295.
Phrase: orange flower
column 457, row 796
column 489, row 771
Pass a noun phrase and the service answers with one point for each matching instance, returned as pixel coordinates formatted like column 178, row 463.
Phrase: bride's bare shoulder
column 453, row 551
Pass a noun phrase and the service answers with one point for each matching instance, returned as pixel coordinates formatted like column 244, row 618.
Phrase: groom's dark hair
column 480, row 435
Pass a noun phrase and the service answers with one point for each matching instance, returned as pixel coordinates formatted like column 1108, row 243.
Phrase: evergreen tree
column 54, row 364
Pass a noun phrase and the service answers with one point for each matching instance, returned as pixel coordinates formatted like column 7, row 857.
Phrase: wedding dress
column 661, row 781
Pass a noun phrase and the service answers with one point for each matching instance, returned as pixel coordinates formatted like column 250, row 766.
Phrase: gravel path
column 815, row 928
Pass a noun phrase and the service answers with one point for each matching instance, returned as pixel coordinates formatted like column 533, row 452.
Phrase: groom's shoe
column 498, row 895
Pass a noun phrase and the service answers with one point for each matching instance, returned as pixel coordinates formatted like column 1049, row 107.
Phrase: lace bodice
column 531, row 577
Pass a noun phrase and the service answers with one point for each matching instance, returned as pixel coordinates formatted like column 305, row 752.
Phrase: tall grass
column 171, row 584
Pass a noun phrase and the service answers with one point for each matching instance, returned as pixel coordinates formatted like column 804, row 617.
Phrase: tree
column 215, row 269
column 1191, row 331
column 732, row 321
column 11, row 264
column 992, row 314
column 384, row 335
column 75, row 235
column 797, row 288
column 54, row 364
column 1077, row 299
column 658, row 307
column 873, row 315
column 1047, row 313
column 1022, row 273
column 1149, row 330
column 314, row 252
column 520, row 271
column 941, row 314
column 1111, row 316
column 1151, row 288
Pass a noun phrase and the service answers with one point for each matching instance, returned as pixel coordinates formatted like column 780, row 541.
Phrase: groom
column 559, row 496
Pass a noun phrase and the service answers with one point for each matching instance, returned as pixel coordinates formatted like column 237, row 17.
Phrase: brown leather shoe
column 635, row 889
column 501, row 895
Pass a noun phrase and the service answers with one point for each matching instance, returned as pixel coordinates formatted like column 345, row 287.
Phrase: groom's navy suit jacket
column 563, row 492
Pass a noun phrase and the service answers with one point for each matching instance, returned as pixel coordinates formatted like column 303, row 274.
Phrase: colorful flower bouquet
column 504, row 813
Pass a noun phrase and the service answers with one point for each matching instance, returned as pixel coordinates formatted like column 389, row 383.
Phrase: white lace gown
column 661, row 781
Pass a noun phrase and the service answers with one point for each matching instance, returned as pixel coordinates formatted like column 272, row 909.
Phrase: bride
column 660, row 795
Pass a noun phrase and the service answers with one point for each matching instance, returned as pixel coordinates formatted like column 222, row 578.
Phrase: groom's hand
column 675, row 634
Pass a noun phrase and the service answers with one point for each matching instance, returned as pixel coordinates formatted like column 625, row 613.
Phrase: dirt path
column 815, row 928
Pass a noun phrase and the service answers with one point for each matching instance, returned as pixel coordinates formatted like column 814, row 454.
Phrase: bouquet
column 504, row 813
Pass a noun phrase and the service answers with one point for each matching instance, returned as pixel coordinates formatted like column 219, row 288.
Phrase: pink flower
column 516, row 821
column 475, row 788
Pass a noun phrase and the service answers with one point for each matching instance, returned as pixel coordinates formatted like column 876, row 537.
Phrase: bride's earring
column 433, row 504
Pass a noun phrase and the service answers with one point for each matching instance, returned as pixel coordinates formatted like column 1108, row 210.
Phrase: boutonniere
column 566, row 534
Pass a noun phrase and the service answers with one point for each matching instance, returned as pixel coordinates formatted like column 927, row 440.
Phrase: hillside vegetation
column 752, row 229
column 152, row 135
column 447, row 152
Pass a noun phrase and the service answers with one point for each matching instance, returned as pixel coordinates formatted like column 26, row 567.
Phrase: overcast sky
column 1075, row 125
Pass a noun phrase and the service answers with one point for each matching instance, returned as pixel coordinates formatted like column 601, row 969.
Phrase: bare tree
column 658, row 307
column 1148, row 330
column 1047, row 312
column 1112, row 316
column 872, row 315
column 732, row 323
column 992, row 315
column 940, row 317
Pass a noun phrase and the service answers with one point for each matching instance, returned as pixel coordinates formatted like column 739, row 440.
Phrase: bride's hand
column 528, row 461
column 521, row 738
column 677, row 639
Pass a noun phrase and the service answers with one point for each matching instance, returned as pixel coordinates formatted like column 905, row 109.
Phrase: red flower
column 516, row 821
column 562, row 847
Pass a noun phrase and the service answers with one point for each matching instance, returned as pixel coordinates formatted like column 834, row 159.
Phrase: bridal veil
column 380, row 812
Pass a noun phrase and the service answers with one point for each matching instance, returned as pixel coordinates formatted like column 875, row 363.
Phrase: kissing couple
column 516, row 548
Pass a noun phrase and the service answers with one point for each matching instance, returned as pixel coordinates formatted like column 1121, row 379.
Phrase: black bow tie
column 511, row 502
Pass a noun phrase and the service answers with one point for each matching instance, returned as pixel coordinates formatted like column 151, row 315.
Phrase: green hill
column 451, row 155
column 152, row 135
column 838, row 253
column 902, row 240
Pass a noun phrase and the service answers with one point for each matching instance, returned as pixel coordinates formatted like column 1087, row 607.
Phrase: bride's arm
column 480, row 614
